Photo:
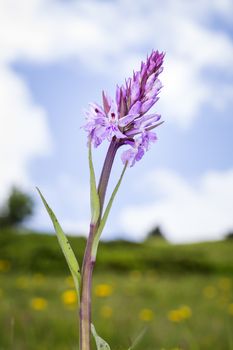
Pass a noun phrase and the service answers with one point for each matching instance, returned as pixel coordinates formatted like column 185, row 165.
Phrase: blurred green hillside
column 182, row 294
column 32, row 252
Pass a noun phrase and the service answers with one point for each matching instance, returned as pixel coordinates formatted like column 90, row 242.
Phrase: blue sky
column 57, row 57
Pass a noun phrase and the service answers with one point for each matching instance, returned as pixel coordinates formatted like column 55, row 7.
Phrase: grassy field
column 181, row 295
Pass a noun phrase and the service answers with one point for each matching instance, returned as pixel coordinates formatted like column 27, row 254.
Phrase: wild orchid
column 123, row 122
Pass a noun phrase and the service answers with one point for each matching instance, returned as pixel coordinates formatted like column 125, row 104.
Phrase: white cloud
column 23, row 132
column 102, row 32
column 185, row 211
column 109, row 37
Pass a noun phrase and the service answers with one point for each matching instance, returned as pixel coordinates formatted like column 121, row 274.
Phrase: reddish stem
column 85, row 305
column 88, row 261
column 106, row 170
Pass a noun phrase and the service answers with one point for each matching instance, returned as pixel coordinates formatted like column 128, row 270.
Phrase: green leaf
column 101, row 344
column 137, row 339
column 65, row 246
column 105, row 216
column 95, row 202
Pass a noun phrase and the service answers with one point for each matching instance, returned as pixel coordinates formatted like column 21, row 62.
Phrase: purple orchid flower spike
column 124, row 121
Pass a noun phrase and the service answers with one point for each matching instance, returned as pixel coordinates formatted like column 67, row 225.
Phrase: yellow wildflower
column 4, row 265
column 209, row 292
column 146, row 315
column 38, row 304
column 180, row 314
column 106, row 311
column 185, row 312
column 103, row 290
column 174, row 316
column 69, row 297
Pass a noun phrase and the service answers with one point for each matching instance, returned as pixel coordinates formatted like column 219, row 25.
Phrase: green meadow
column 179, row 296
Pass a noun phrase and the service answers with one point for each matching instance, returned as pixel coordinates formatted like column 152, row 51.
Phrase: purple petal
column 96, row 108
column 150, row 82
column 106, row 102
column 135, row 91
column 127, row 119
column 147, row 105
column 119, row 134
column 154, row 90
column 136, row 108
column 132, row 155
column 128, row 156
column 139, row 154
column 147, row 120
column 147, row 138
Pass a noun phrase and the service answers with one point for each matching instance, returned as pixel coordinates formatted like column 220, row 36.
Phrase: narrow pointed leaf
column 137, row 339
column 101, row 344
column 106, row 213
column 95, row 202
column 65, row 246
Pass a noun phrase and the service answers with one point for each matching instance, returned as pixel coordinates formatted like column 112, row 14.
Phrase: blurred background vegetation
column 182, row 294
column 17, row 208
